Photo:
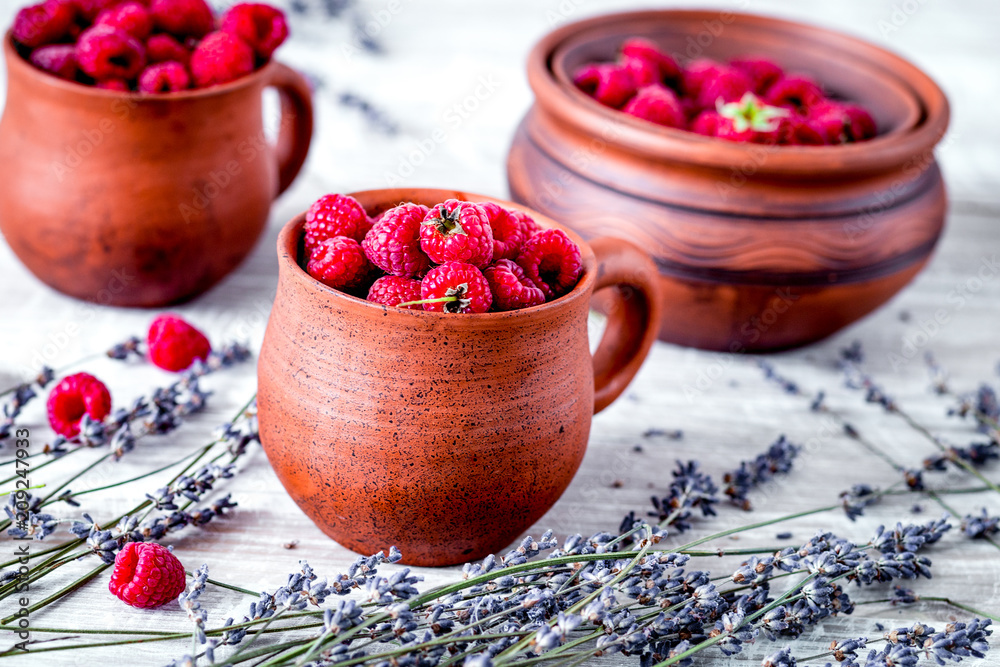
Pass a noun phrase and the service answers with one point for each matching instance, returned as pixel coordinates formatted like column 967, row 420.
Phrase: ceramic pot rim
column 288, row 247
column 570, row 106
column 15, row 61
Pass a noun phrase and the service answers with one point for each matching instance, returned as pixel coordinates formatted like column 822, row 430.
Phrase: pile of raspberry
column 456, row 257
column 149, row 46
column 744, row 100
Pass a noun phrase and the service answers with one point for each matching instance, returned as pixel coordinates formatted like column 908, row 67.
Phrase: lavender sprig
column 777, row 459
column 22, row 395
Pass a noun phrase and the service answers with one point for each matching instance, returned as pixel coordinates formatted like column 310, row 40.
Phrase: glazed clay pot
column 758, row 248
column 445, row 435
column 142, row 200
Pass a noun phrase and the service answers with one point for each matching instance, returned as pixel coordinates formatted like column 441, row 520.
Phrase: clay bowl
column 757, row 248
column 142, row 200
column 445, row 435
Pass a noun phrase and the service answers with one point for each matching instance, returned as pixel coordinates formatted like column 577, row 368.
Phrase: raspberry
column 508, row 231
column 340, row 263
column 657, row 104
column 106, row 53
column 462, row 282
column 183, row 18
column 393, row 244
column 763, row 73
column 146, row 575
column 801, row 131
column 511, row 289
column 644, row 72
column 173, row 344
column 728, row 84
column 161, row 48
column 43, row 24
column 335, row 215
column 796, row 92
column 75, row 396
column 132, row 17
column 551, row 261
column 611, row 85
column 261, row 26
column 120, row 85
column 528, row 224
column 58, row 59
column 643, row 49
column 698, row 74
column 220, row 58
column 167, row 77
column 860, row 126
column 457, row 231
column 88, row 10
column 394, row 290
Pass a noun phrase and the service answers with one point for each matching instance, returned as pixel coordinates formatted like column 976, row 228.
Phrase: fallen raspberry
column 393, row 244
column 463, row 285
column 58, row 59
column 146, row 575
column 161, row 48
column 220, row 58
column 120, row 85
column 508, row 231
column 728, row 85
column 340, row 263
column 166, row 77
column 763, row 73
column 795, row 92
column 173, row 344
column 511, row 289
column 183, row 18
column 106, row 53
column 43, row 24
column 644, row 49
column 75, row 396
column 394, row 290
column 457, row 231
column 611, row 85
column 657, row 104
column 261, row 26
column 552, row 261
column 132, row 17
column 335, row 215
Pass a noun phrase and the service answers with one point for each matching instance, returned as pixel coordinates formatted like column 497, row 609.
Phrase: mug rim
column 288, row 245
column 15, row 60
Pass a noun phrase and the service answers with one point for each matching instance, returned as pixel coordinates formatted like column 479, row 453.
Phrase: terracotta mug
column 445, row 435
column 142, row 200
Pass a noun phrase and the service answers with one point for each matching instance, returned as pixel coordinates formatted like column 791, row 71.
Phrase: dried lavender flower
column 982, row 525
column 777, row 459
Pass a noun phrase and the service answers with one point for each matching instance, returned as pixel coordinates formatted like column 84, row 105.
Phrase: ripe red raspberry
column 706, row 123
column 464, row 282
column 106, row 53
column 335, row 215
column 644, row 49
column 173, row 344
column 511, row 289
column 698, row 74
column 861, row 125
column 763, row 73
column 551, row 261
column 146, row 575
column 394, row 290
column 657, row 104
column 167, row 77
column 728, row 85
column 508, row 231
column 183, row 18
column 457, row 231
column 58, row 59
column 132, row 17
column 161, row 48
column 644, row 72
column 528, row 223
column 75, row 396
column 340, row 263
column 801, row 131
column 796, row 92
column 220, row 58
column 119, row 85
column 393, row 244
column 43, row 24
column 610, row 84
column 261, row 26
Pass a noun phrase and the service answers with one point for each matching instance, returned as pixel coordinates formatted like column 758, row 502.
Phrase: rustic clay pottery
column 445, row 435
column 142, row 200
column 758, row 248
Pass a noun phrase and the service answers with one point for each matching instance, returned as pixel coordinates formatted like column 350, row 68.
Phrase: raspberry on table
column 261, row 26
column 183, row 18
column 763, row 73
column 552, row 261
column 610, row 84
column 173, row 344
column 457, row 231
column 644, row 49
column 132, row 17
column 75, row 396
column 165, row 77
column 42, row 24
column 220, row 58
column 339, row 262
column 107, row 53
column 335, row 215
column 394, row 290
column 58, row 59
column 657, row 104
column 393, row 243
column 161, row 48
column 511, row 289
column 462, row 282
column 508, row 231
column 796, row 92
column 146, row 575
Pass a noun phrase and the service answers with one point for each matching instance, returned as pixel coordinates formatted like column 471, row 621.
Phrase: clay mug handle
column 633, row 316
column 296, row 130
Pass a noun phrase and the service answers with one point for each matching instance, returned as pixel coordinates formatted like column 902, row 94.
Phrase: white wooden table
column 436, row 54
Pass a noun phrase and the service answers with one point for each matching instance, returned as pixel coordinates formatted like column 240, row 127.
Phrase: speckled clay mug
column 445, row 435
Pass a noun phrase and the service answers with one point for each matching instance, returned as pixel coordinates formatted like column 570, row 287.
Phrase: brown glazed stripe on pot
column 758, row 248
column 445, row 435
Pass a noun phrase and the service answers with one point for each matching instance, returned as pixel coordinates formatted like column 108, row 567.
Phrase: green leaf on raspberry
column 750, row 113
column 448, row 222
